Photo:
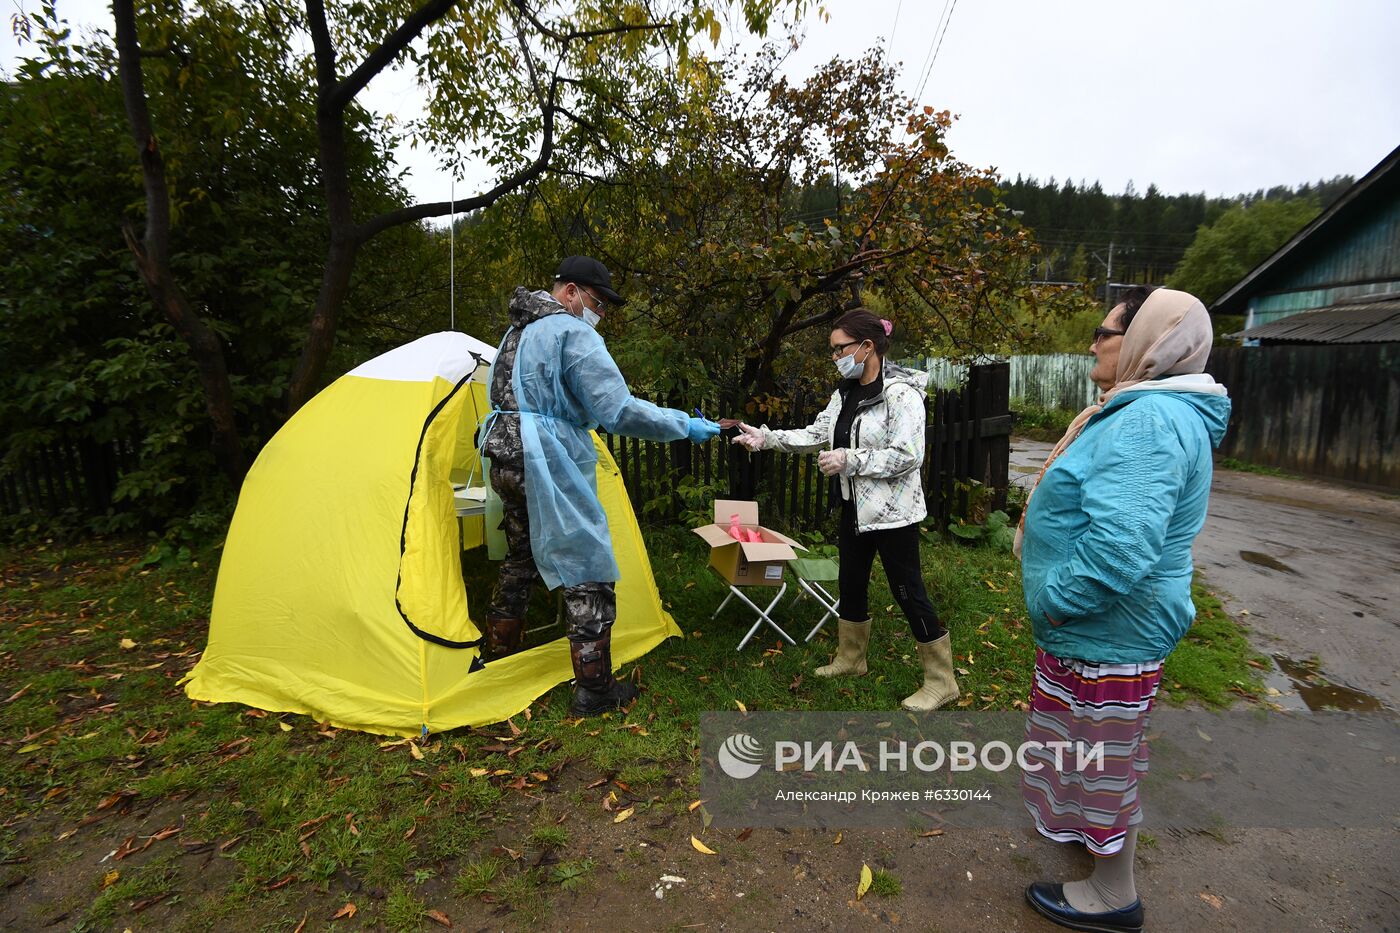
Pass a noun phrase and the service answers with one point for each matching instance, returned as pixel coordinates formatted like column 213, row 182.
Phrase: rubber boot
column 939, row 684
column 852, row 638
column 596, row 690
column 503, row 636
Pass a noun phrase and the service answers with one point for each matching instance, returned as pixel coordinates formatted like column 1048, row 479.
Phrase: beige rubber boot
column 852, row 638
column 939, row 684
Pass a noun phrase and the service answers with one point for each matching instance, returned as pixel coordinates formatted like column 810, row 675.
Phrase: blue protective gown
column 567, row 384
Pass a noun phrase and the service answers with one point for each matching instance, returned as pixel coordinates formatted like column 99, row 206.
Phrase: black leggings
column 899, row 553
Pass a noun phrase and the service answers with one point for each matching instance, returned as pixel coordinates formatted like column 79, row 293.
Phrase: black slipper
column 1049, row 901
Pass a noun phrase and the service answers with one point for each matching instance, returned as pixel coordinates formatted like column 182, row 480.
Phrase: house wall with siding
column 1362, row 260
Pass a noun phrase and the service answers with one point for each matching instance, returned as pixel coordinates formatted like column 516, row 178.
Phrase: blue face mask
column 849, row 366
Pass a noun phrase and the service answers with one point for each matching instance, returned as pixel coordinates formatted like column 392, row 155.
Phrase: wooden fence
column 1329, row 410
column 1049, row 380
column 967, row 440
column 66, row 475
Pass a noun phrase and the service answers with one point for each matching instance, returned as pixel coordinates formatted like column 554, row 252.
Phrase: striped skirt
column 1088, row 792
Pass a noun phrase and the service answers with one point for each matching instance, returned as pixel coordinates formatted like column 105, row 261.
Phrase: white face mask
column 849, row 366
column 591, row 318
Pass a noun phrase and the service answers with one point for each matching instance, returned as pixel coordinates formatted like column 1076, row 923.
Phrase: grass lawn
column 124, row 804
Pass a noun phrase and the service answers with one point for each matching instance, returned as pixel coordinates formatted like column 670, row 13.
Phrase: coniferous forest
column 1076, row 223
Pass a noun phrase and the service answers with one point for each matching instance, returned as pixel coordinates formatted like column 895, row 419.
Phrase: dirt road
column 1312, row 568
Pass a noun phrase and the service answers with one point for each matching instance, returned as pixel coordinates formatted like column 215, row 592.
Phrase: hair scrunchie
column 887, row 325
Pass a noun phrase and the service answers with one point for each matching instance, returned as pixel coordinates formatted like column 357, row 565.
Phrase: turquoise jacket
column 1108, row 533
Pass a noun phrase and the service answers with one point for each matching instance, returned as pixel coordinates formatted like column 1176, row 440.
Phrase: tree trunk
column 152, row 256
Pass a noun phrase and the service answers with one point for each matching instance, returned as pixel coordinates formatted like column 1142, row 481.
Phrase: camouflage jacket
column 503, row 444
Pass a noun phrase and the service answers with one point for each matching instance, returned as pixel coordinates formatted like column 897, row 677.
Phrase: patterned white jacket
column 886, row 453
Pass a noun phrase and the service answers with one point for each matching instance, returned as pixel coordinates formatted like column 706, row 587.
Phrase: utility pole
column 1108, row 284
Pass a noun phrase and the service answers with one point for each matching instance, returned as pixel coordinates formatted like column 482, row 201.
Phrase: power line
column 928, row 56
column 889, row 45
column 936, row 50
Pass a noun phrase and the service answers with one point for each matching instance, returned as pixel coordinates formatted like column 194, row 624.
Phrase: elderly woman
column 1105, row 555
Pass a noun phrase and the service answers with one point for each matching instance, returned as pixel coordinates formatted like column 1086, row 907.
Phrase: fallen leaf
column 866, row 878
column 149, row 902
column 746, row 834
column 694, row 805
column 302, row 925
column 623, row 814
column 1203, row 735
column 349, row 910
column 931, row 832
column 837, row 840
column 1212, row 900
column 19, row 693
column 110, row 878
column 415, row 751
column 119, row 796
column 700, row 847
column 742, row 707
column 284, row 727
column 125, row 849
column 438, row 916
column 127, row 644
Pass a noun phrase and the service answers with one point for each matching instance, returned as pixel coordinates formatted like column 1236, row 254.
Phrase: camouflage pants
column 589, row 608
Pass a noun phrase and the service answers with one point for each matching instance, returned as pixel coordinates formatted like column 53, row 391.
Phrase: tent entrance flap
column 429, row 592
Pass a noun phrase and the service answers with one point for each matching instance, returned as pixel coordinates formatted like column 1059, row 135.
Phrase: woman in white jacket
column 871, row 435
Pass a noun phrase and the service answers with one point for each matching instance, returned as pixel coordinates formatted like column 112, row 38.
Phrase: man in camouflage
column 582, row 288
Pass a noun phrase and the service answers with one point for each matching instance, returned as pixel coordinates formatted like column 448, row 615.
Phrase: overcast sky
column 1220, row 96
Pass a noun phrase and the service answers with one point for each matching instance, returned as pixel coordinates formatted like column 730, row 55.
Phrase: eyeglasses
column 599, row 305
column 1102, row 332
column 840, row 348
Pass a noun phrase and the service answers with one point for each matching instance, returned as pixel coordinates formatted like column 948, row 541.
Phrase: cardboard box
column 746, row 563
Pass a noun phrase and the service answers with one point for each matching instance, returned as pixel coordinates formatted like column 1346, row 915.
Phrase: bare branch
column 564, row 38
column 529, row 173
column 383, row 56
column 170, row 51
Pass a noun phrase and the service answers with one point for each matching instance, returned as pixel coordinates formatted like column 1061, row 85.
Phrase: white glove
column 831, row 462
column 749, row 438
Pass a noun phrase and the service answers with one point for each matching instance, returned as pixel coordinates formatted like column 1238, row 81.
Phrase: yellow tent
column 340, row 594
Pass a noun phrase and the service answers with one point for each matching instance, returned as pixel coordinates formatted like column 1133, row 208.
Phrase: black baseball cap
column 585, row 270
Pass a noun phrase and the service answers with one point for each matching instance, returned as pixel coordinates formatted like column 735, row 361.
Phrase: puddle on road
column 1015, row 468
column 1318, row 694
column 1264, row 560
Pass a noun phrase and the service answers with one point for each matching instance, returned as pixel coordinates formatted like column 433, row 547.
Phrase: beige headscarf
column 1170, row 336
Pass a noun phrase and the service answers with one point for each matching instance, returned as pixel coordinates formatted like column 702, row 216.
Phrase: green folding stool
column 811, row 573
